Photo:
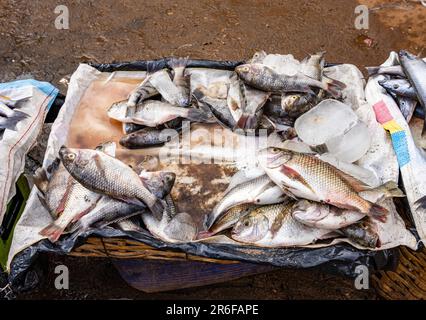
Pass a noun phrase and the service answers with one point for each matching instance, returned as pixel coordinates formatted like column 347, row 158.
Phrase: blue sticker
column 399, row 142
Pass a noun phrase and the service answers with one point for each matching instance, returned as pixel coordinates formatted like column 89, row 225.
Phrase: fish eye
column 71, row 156
column 245, row 69
column 256, row 54
column 395, row 86
column 246, row 223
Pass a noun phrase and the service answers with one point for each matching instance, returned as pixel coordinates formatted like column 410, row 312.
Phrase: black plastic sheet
column 337, row 259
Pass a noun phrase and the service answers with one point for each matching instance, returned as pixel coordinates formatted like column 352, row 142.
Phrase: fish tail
column 52, row 231
column 176, row 62
column 378, row 212
column 204, row 234
column 209, row 220
column 157, row 209
column 334, row 87
column 391, row 190
column 13, row 120
column 372, row 70
column 197, row 115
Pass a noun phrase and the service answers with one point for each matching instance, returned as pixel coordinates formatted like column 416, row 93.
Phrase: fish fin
column 197, row 115
column 52, row 231
column 208, row 220
column 355, row 183
column 378, row 212
column 83, row 213
column 157, row 209
column 107, row 148
column 40, row 180
column 333, row 86
column 13, row 120
column 372, row 70
column 276, row 225
column 293, row 174
column 175, row 62
column 98, row 162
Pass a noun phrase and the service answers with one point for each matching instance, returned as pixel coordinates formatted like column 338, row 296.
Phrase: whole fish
column 178, row 228
column 161, row 81
column 297, row 104
column 78, row 202
column 363, row 233
column 400, row 87
column 264, row 78
column 142, row 92
column 274, row 226
column 147, row 137
column 324, row 216
column 230, row 217
column 152, row 113
column 259, row 191
column 305, row 176
column 54, row 189
column 415, row 69
column 179, row 79
column 313, row 65
column 102, row 173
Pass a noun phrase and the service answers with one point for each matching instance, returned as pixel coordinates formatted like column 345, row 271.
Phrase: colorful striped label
column 398, row 135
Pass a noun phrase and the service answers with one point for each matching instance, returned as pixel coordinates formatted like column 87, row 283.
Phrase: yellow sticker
column 392, row 126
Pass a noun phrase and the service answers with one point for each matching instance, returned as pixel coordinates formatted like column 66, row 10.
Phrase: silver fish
column 400, row 87
column 407, row 106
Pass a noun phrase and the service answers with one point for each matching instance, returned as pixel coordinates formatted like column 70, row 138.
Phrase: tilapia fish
column 400, row 87
column 102, row 173
column 173, row 94
column 305, row 176
column 142, row 92
column 415, row 69
column 147, row 137
column 264, row 78
column 324, row 216
column 109, row 210
column 260, row 190
column 274, row 226
column 230, row 217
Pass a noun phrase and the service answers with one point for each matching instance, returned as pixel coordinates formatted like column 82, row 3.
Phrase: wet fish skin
column 324, row 216
column 415, row 69
column 260, row 190
column 152, row 113
column 160, row 183
column 274, row 226
column 400, row 87
column 147, row 137
column 131, row 127
column 102, row 173
column 142, row 92
column 230, row 217
column 297, row 104
column 305, row 176
column 264, row 78
column 407, row 107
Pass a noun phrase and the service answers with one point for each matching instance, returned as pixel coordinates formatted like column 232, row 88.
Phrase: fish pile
column 10, row 114
column 92, row 189
column 288, row 199
column 406, row 83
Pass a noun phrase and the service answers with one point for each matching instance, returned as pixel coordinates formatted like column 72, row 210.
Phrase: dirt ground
column 108, row 30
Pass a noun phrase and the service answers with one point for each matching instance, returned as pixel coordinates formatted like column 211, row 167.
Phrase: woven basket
column 408, row 281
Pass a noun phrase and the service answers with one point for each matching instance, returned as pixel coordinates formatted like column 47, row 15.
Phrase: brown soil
column 106, row 31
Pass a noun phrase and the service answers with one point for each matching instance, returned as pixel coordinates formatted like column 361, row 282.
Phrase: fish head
column 158, row 182
column 405, row 55
column 274, row 157
column 74, row 159
column 130, row 139
column 258, row 57
column 309, row 211
column 251, row 228
column 168, row 179
column 289, row 102
column 68, row 156
column 248, row 72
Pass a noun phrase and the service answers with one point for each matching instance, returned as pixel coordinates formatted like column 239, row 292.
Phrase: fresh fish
column 131, row 127
column 363, row 233
column 78, row 202
column 218, row 107
column 244, row 176
column 179, row 79
column 274, row 226
column 142, row 92
column 400, row 87
column 313, row 65
column 153, row 113
column 54, row 189
column 296, row 104
column 407, row 107
column 259, row 191
column 324, row 216
column 230, row 217
column 415, row 69
column 147, row 137
column 161, row 81
column 174, row 229
column 264, row 78
column 305, row 176
column 391, row 70
column 102, row 173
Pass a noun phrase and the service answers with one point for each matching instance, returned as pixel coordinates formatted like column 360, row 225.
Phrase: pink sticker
column 382, row 112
